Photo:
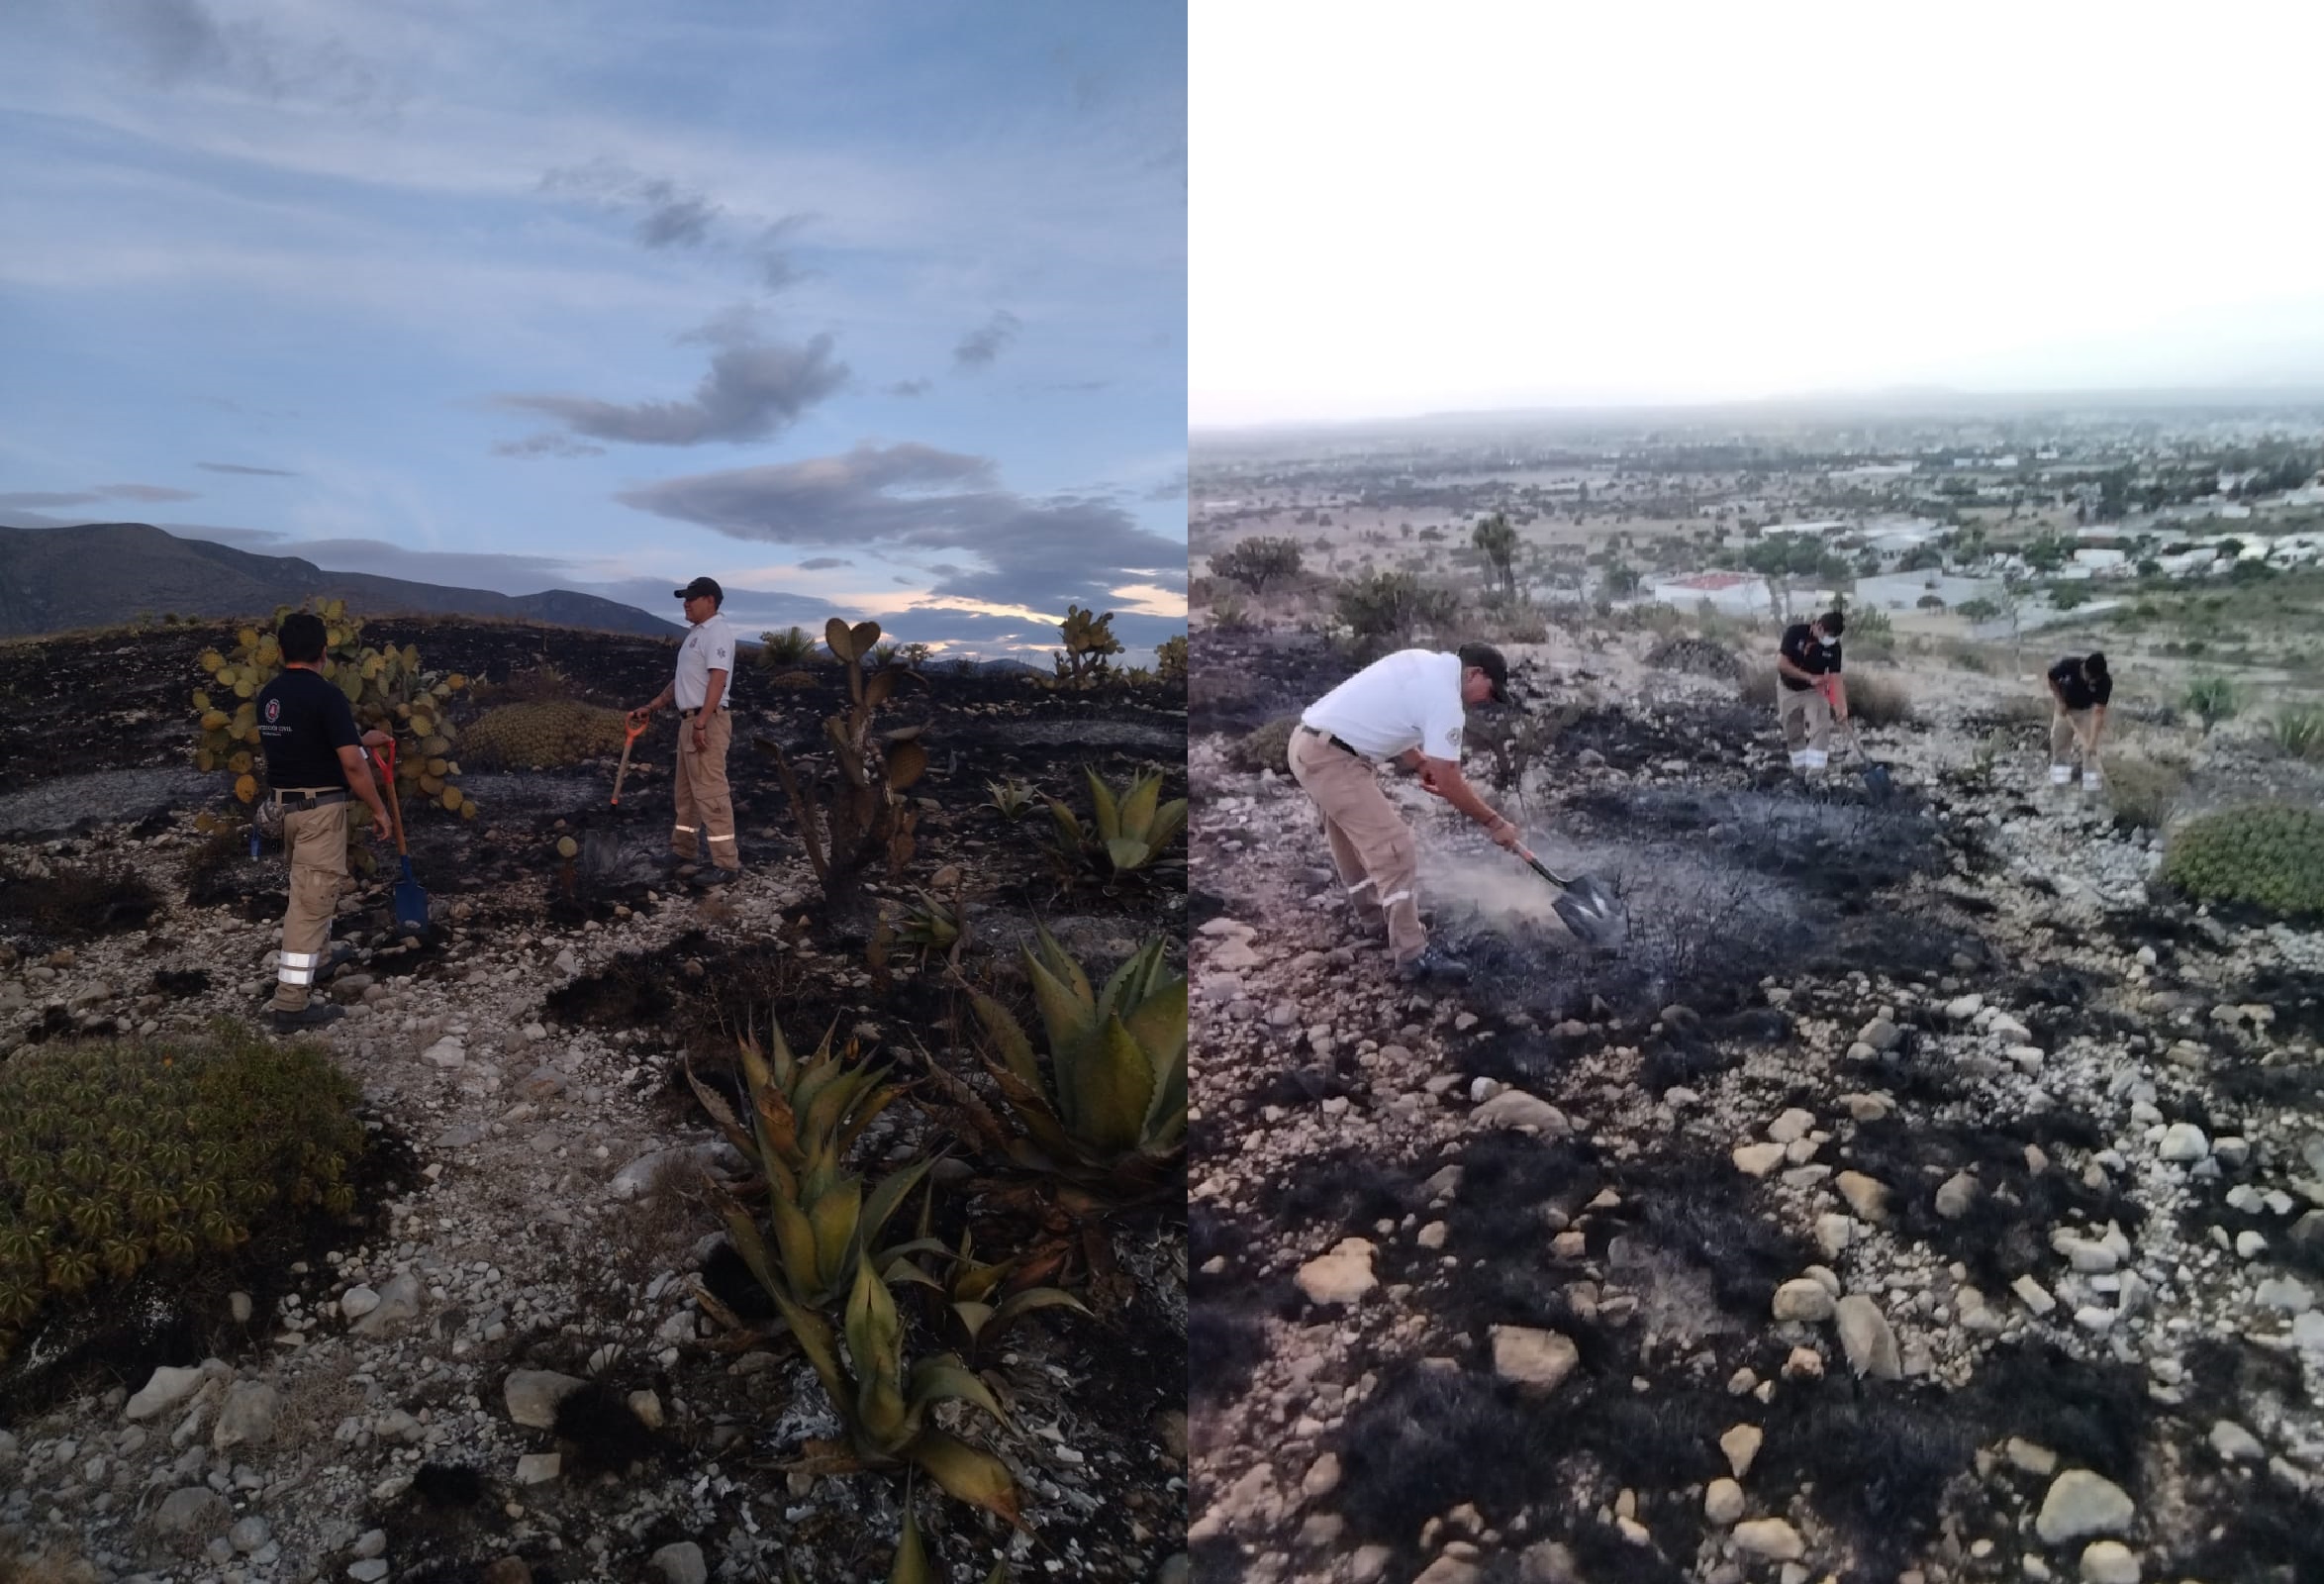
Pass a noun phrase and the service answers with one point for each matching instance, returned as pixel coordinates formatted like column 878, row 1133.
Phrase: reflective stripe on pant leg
column 711, row 800
column 683, row 813
column 1364, row 884
column 317, row 843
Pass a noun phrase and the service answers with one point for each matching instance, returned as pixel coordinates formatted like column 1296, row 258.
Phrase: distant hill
column 100, row 574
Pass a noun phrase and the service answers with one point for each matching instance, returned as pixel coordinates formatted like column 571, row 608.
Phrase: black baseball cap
column 701, row 587
column 1487, row 660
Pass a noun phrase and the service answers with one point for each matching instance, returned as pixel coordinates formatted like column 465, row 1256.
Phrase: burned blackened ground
column 1951, row 1053
column 533, row 1046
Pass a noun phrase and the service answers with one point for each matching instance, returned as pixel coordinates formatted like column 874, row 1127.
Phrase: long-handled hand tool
column 1876, row 775
column 1585, row 904
column 411, row 903
column 627, row 742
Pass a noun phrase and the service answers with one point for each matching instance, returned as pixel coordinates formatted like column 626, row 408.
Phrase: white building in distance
column 1728, row 593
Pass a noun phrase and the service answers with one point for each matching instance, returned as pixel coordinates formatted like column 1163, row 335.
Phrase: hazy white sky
column 1399, row 209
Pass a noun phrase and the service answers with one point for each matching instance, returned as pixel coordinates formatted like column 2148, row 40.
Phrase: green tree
column 1257, row 562
column 1497, row 541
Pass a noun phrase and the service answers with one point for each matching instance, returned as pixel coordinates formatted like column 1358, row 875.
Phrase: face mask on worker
column 1829, row 643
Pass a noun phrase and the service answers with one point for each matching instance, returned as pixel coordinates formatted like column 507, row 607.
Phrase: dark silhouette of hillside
column 100, row 574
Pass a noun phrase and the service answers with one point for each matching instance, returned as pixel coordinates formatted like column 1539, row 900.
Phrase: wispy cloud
column 145, row 492
column 98, row 492
column 547, row 445
column 912, row 499
column 255, row 473
column 183, row 43
column 910, row 387
column 824, row 564
column 753, row 389
column 980, row 346
column 667, row 214
column 48, row 497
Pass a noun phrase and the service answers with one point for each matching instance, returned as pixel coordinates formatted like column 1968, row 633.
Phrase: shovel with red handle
column 411, row 903
column 633, row 731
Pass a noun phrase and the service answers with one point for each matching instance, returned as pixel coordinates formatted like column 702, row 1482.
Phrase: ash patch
column 1836, row 845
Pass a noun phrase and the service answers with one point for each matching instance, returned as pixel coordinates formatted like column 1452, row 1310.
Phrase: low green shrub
column 1267, row 748
column 2269, row 856
column 2211, row 699
column 2298, row 730
column 115, row 1155
column 2144, row 792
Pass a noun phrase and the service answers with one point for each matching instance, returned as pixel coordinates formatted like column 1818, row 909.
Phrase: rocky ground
column 1922, row 1194
column 530, row 1354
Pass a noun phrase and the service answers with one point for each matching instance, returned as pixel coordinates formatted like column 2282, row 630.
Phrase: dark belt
column 1338, row 742
column 305, row 799
column 688, row 715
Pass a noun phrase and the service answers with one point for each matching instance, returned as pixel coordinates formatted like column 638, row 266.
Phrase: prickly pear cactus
column 1089, row 639
column 386, row 687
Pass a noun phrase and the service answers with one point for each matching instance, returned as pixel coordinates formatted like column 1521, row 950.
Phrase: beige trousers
column 1371, row 847
column 316, row 843
column 705, row 807
column 1806, row 716
column 2068, row 727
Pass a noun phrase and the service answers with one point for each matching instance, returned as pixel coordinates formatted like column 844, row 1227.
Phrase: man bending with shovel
column 2080, row 688
column 1408, row 707
column 314, row 764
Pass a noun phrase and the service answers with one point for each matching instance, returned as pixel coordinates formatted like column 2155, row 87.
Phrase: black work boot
column 312, row 1015
column 1433, row 964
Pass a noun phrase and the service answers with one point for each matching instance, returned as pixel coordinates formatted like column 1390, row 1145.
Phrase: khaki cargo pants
column 316, row 843
column 1806, row 717
column 705, row 807
column 2067, row 730
column 1371, row 847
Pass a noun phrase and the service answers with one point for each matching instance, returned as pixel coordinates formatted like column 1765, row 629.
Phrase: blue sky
column 876, row 309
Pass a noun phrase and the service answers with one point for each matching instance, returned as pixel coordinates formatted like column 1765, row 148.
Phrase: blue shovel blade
column 411, row 903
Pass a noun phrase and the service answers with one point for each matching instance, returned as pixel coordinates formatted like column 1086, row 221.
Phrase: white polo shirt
column 1410, row 700
column 708, row 648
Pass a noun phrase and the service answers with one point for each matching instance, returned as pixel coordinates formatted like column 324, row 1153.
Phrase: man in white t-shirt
column 705, row 725
column 1410, row 706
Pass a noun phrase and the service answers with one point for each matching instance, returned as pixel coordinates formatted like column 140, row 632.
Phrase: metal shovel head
column 1875, row 777
column 411, row 903
column 1590, row 908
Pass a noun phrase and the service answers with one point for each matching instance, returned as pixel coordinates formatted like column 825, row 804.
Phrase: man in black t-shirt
column 313, row 763
column 2080, row 688
column 1810, row 690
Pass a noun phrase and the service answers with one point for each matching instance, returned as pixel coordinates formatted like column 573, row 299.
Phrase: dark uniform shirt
column 2079, row 691
column 1802, row 648
column 303, row 723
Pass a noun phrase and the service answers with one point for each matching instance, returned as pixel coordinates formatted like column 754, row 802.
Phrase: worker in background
column 2081, row 687
column 1811, row 693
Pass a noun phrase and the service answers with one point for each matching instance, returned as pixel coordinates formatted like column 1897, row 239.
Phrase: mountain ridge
column 46, row 585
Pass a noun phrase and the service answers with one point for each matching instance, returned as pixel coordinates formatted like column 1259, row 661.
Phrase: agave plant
column 1010, row 798
column 1128, row 832
column 804, row 1113
column 887, row 1405
column 912, row 1564
column 1109, row 1116
column 981, row 1300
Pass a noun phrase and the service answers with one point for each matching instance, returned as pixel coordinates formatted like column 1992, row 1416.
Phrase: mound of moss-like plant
column 543, row 736
column 2269, row 856
column 114, row 1157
